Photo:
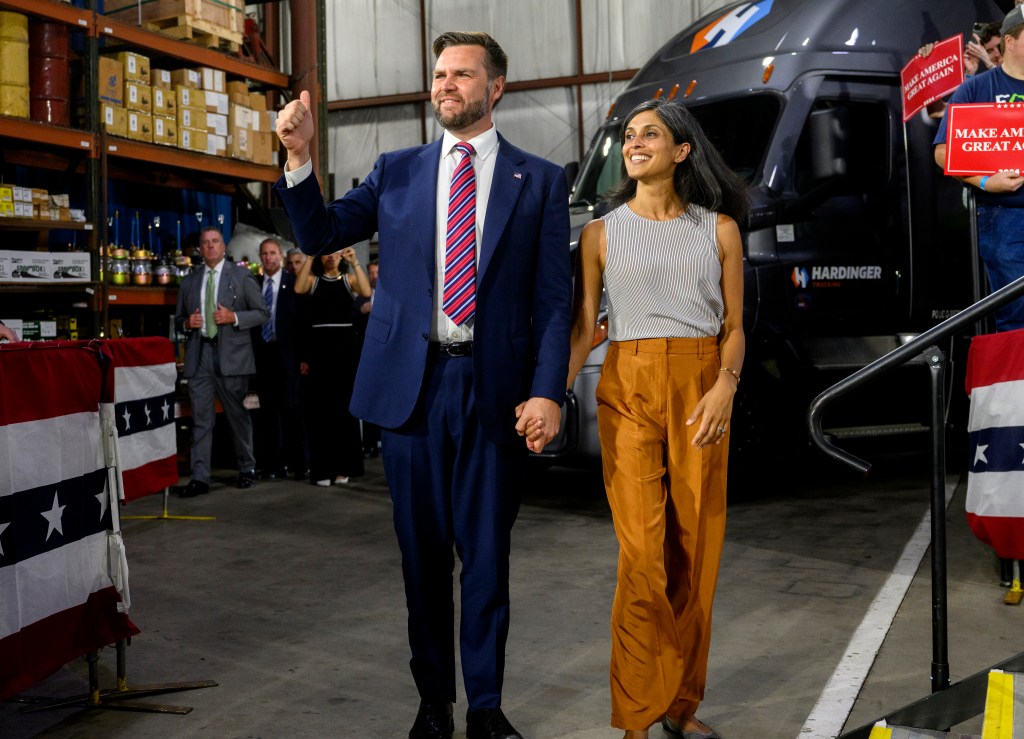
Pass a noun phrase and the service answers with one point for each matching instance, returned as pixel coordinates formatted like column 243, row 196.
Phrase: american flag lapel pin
column 518, row 175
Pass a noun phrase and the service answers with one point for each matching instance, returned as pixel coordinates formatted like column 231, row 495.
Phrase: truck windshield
column 740, row 127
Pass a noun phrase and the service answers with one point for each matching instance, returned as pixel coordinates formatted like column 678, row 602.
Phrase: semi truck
column 855, row 240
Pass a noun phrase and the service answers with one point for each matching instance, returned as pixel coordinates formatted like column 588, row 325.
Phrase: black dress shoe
column 433, row 721
column 193, row 489
column 246, row 479
column 489, row 723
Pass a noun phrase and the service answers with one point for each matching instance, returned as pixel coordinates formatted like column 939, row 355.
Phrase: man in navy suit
column 281, row 437
column 452, row 388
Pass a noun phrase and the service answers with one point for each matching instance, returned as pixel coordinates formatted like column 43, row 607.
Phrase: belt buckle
column 456, row 348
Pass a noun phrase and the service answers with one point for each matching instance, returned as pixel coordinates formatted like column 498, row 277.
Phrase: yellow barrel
column 14, row 81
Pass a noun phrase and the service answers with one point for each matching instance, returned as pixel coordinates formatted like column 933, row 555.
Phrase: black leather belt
column 453, row 349
column 208, row 340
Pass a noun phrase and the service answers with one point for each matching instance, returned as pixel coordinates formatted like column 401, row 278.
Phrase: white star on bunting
column 149, row 421
column 3, row 527
column 53, row 517
column 979, row 453
column 127, row 419
column 165, row 408
column 102, row 499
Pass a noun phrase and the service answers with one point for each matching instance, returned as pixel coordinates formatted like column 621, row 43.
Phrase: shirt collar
column 215, row 268
column 485, row 144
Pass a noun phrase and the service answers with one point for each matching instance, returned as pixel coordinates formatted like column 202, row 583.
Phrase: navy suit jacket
column 286, row 320
column 524, row 280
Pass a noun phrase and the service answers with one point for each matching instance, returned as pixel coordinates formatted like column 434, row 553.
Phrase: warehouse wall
column 374, row 50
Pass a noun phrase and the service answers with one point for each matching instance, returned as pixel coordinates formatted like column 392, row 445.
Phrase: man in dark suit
column 281, row 436
column 217, row 305
column 466, row 346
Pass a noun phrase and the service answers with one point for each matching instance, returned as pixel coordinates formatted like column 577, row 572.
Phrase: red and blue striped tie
column 459, row 297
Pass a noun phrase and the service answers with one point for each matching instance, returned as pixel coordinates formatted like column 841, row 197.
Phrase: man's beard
column 469, row 115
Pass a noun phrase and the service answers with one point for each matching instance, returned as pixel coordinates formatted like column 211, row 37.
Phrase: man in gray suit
column 217, row 307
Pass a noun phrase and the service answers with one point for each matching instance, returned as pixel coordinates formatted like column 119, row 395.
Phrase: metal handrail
column 896, row 357
column 926, row 343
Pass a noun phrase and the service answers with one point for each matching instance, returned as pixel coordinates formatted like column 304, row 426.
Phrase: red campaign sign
column 983, row 138
column 926, row 79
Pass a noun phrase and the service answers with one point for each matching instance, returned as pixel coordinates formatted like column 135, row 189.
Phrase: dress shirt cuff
column 296, row 176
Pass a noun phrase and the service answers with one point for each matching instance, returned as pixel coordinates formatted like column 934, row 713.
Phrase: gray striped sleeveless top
column 662, row 278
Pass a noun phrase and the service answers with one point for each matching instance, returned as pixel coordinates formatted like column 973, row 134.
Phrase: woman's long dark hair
column 702, row 178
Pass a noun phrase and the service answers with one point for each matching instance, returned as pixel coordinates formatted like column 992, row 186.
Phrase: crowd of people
column 295, row 332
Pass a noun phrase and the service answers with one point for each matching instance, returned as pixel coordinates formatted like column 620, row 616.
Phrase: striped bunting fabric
column 57, row 598
column 995, row 483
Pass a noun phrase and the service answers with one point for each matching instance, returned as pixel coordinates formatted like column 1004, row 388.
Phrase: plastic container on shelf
column 14, row 78
column 119, row 271
column 163, row 273
column 49, row 73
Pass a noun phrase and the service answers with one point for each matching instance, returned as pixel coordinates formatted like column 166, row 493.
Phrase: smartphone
column 978, row 29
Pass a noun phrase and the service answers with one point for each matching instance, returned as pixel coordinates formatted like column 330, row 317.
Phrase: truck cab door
column 842, row 231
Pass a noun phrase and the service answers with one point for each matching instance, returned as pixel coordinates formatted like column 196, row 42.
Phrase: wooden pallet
column 198, row 31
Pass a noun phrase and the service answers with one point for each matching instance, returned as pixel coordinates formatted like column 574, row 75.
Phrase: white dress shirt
column 218, row 273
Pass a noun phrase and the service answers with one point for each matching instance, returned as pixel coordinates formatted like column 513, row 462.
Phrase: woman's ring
column 721, row 429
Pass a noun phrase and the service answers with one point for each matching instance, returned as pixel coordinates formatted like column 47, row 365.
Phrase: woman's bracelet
column 984, row 181
column 732, row 372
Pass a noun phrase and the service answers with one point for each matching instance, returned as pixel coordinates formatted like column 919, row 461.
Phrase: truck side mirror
column 830, row 133
column 572, row 169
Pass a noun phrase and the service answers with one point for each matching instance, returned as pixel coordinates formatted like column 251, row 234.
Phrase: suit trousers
column 204, row 387
column 453, row 487
column 667, row 499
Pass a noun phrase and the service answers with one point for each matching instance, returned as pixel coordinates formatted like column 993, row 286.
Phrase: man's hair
column 495, row 59
column 990, row 32
column 204, row 229
column 294, row 250
column 271, row 240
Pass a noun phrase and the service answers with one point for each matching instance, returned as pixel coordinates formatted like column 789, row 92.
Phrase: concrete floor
column 292, row 601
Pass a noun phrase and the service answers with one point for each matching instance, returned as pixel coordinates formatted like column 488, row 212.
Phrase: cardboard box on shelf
column 240, row 143
column 258, row 101
column 213, row 79
column 164, row 102
column 111, row 81
column 262, row 150
column 136, row 66
column 193, row 118
column 194, row 140
column 138, row 96
column 161, row 78
column 29, row 266
column 238, row 98
column 71, row 266
column 165, row 131
column 140, row 126
column 115, row 119
column 190, row 78
column 237, row 87
column 6, row 194
column 189, row 97
column 6, row 210
column 60, row 200
column 216, row 145
column 240, row 117
column 217, row 102
column 217, row 123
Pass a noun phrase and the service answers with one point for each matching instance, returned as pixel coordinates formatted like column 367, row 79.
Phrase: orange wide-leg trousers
column 668, row 505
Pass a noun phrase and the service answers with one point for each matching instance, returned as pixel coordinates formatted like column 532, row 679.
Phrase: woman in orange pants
column 669, row 257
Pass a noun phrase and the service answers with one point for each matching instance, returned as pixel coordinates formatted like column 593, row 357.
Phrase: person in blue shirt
column 999, row 196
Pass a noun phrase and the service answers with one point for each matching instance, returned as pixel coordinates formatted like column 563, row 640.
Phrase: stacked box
column 115, row 119
column 6, row 201
column 240, row 143
column 22, row 197
column 138, row 96
column 187, row 78
column 194, row 140
column 165, row 102
column 165, row 131
column 188, row 97
column 140, row 126
column 29, row 266
column 136, row 67
column 71, row 266
column 213, row 79
column 194, row 118
column 161, row 78
column 111, row 82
